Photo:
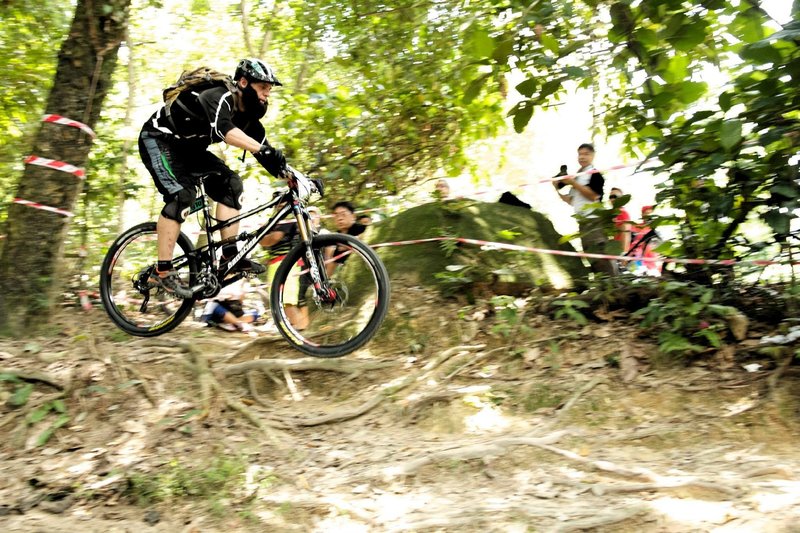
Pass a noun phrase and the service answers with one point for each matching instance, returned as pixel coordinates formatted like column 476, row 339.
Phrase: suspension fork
column 316, row 271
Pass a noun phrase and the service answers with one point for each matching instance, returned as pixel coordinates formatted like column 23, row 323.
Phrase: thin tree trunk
column 29, row 275
column 246, row 27
column 126, row 144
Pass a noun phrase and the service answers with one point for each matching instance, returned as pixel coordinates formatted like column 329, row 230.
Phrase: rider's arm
column 240, row 139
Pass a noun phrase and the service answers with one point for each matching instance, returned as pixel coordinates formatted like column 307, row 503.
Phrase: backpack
column 198, row 79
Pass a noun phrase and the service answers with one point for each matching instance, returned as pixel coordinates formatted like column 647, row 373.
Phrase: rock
column 152, row 517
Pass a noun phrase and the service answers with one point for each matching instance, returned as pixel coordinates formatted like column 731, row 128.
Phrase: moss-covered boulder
column 454, row 267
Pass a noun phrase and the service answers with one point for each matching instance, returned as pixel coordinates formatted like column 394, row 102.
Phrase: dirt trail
column 461, row 431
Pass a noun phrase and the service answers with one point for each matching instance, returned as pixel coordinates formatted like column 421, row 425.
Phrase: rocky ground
column 444, row 423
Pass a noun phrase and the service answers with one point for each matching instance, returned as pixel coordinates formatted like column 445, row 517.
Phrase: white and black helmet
column 256, row 70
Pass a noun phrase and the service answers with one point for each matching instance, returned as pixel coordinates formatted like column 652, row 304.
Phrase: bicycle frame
column 251, row 240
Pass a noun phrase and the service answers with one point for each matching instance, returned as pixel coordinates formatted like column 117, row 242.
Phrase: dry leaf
column 738, row 324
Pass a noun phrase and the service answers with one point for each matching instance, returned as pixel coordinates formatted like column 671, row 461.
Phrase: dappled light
column 477, row 356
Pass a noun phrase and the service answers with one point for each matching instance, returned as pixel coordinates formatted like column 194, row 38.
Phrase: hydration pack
column 197, row 80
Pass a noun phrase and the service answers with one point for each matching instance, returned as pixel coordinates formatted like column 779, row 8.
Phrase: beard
column 252, row 106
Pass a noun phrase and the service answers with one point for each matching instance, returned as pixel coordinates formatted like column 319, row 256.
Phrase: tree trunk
column 29, row 275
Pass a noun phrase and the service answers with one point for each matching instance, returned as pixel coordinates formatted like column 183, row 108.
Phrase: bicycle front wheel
column 134, row 303
column 341, row 316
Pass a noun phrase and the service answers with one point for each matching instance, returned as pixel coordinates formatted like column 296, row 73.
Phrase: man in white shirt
column 586, row 190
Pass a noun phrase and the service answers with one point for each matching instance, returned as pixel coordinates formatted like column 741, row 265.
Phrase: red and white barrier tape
column 516, row 247
column 42, row 207
column 58, row 119
column 55, row 165
column 594, row 171
column 84, row 299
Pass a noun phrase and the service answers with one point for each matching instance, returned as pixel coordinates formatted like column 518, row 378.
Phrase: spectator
column 622, row 222
column 587, row 189
column 344, row 217
column 278, row 243
column 441, row 189
column 364, row 219
column 645, row 240
column 316, row 220
column 226, row 310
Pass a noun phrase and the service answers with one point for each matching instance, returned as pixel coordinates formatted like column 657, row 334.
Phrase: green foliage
column 684, row 319
column 176, row 481
column 507, row 315
column 570, row 309
column 27, row 71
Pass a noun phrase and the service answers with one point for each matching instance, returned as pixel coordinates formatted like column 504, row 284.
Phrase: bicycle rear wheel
column 355, row 301
column 136, row 305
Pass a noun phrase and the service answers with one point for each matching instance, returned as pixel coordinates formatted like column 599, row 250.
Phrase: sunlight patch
column 488, row 418
column 695, row 511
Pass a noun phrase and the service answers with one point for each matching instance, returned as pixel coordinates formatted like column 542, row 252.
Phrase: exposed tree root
column 580, row 392
column 33, row 377
column 602, row 520
column 209, row 385
column 600, row 490
column 464, row 453
column 389, row 390
column 345, row 366
column 258, row 341
column 415, row 406
column 772, row 380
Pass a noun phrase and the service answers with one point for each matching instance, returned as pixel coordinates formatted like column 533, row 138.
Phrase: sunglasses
column 613, row 196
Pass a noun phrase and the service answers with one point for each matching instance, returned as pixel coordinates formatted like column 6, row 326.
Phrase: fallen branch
column 34, row 377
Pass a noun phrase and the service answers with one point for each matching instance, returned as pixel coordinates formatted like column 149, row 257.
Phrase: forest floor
column 439, row 425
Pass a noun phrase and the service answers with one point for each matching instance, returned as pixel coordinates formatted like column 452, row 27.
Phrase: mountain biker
column 173, row 146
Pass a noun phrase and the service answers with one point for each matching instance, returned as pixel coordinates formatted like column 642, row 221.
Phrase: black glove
column 271, row 159
column 319, row 185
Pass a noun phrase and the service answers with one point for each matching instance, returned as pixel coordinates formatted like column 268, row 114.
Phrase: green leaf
column 503, row 50
column 21, row 395
column 691, row 91
column 725, row 101
column 522, row 115
column 779, row 222
column 58, row 405
column 550, row 43
column 785, row 190
column 676, row 69
column 10, row 377
column 527, row 87
column 761, row 52
column 575, row 72
column 481, row 44
column 474, row 88
column 730, row 133
column 38, row 414
column 45, row 435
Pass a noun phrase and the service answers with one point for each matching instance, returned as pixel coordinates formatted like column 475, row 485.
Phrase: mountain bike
column 345, row 305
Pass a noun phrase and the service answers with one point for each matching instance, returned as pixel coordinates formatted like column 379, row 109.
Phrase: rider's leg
column 224, row 213
column 168, row 231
